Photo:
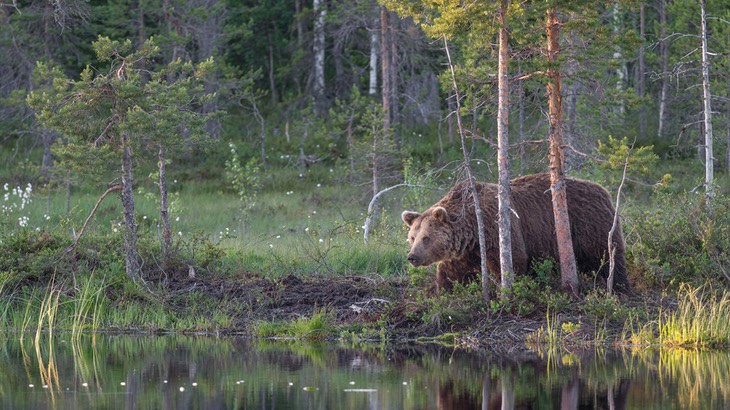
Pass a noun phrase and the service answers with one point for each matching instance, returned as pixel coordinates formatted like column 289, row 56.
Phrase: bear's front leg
column 455, row 270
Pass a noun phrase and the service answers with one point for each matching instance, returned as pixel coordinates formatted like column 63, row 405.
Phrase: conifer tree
column 120, row 111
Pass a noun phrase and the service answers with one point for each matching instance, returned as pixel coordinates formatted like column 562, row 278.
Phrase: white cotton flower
column 321, row 240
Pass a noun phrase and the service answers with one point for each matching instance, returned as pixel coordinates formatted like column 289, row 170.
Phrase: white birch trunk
column 504, row 206
column 374, row 46
column 709, row 165
column 320, row 11
column 664, row 56
column 619, row 57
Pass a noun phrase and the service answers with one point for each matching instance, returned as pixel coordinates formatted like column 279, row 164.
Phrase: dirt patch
column 389, row 304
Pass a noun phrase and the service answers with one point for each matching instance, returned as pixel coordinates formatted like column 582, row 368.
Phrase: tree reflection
column 178, row 372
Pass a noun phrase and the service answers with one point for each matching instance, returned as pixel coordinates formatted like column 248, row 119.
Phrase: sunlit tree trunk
column 320, row 11
column 568, row 271
column 505, row 236
column 709, row 161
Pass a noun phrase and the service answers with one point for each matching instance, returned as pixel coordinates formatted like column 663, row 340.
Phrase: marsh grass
column 701, row 319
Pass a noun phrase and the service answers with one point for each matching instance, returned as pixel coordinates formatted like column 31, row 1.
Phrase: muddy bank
column 394, row 305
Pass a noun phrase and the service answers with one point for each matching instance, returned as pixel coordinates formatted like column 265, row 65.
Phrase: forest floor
column 393, row 307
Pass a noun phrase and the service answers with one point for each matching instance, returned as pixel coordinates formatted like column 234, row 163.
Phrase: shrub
column 680, row 240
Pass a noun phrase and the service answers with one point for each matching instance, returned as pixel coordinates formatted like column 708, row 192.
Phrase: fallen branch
column 93, row 211
column 374, row 201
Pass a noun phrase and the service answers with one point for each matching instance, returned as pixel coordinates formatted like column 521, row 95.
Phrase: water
column 180, row 372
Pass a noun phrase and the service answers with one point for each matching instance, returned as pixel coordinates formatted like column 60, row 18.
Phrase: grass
column 318, row 327
column 702, row 319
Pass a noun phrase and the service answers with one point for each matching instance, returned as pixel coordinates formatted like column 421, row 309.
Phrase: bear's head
column 429, row 235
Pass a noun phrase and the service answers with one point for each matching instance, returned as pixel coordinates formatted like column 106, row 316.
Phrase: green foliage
column 243, row 179
column 532, row 294
column 447, row 310
column 600, row 307
column 678, row 240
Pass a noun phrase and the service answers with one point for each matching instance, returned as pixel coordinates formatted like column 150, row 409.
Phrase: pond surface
column 187, row 372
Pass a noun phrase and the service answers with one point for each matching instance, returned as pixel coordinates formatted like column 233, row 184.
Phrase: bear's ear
column 409, row 217
column 440, row 213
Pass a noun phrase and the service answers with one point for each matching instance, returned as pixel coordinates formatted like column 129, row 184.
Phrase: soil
column 376, row 303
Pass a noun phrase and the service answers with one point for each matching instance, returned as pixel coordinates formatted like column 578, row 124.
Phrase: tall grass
column 702, row 319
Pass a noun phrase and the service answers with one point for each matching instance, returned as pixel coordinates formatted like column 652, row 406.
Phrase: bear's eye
column 426, row 240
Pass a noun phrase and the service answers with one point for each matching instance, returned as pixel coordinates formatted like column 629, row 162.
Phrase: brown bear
column 447, row 232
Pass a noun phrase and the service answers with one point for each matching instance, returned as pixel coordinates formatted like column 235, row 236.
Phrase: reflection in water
column 181, row 372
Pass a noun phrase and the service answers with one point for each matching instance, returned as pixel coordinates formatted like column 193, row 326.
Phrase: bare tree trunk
column 272, row 73
column 727, row 132
column 318, row 48
column 709, row 160
column 611, row 245
column 374, row 49
column 164, row 216
column 568, row 271
column 642, row 70
column 472, row 183
column 619, row 57
column 664, row 57
column 386, row 67
column 130, row 231
column 504, row 207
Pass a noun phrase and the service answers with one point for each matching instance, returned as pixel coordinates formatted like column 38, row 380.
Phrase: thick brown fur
column 447, row 232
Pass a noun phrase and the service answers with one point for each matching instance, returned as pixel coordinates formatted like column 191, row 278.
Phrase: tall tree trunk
column 272, row 73
column 568, row 271
column 521, row 126
column 130, row 233
column 504, row 207
column 386, row 66
column 709, row 160
column 164, row 216
column 727, row 132
column 318, row 48
column 388, row 56
column 619, row 57
column 641, row 84
column 374, row 49
column 472, row 182
column 664, row 57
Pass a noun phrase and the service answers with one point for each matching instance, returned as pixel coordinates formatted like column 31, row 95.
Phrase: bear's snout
column 414, row 260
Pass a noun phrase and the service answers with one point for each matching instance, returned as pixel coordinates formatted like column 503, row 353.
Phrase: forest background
column 261, row 139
